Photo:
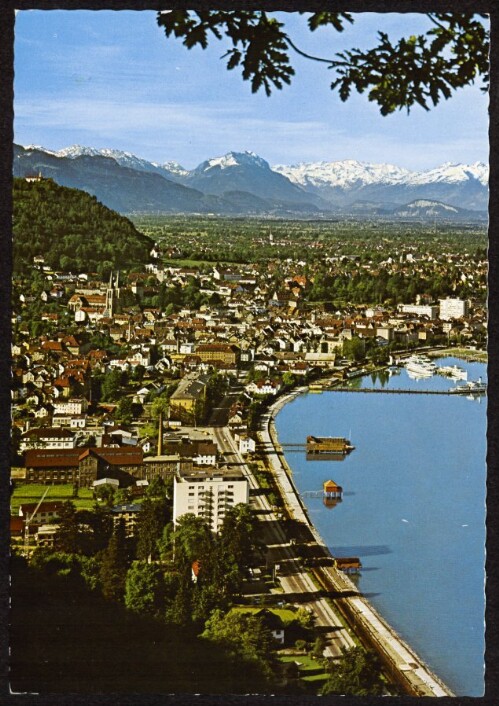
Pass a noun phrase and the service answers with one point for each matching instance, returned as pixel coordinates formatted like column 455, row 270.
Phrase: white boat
column 420, row 366
column 454, row 372
column 473, row 386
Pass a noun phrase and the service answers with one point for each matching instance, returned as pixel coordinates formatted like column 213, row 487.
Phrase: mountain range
column 242, row 183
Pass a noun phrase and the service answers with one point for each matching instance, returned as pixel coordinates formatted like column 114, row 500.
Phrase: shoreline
column 400, row 660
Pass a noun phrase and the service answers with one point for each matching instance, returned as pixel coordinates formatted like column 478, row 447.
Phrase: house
column 273, row 623
column 128, row 515
column 71, row 406
column 218, row 351
column 195, row 569
column 83, row 465
column 247, row 445
column 200, row 451
column 46, row 512
column 47, row 438
column 268, row 387
column 45, row 535
column 191, row 390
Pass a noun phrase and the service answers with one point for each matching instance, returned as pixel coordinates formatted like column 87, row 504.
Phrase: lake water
column 413, row 508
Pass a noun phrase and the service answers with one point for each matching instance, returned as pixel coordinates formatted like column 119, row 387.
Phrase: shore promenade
column 399, row 659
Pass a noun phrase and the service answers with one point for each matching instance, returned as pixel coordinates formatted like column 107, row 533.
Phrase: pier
column 400, row 391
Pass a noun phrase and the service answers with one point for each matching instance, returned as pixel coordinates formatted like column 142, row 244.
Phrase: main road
column 294, row 579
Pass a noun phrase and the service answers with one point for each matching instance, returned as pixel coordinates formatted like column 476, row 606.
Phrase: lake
column 413, row 508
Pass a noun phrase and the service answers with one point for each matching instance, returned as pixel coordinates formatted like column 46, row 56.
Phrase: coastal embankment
column 401, row 663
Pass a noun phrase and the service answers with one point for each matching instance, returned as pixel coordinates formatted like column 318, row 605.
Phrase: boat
column 477, row 385
column 420, row 366
column 474, row 387
column 454, row 372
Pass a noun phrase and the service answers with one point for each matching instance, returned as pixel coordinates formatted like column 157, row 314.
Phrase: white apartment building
column 71, row 406
column 419, row 310
column 453, row 308
column 208, row 494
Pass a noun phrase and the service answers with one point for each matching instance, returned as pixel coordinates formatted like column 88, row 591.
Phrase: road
column 294, row 579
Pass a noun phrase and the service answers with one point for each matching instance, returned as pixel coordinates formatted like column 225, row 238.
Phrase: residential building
column 47, row 438
column 428, row 310
column 453, row 308
column 208, row 493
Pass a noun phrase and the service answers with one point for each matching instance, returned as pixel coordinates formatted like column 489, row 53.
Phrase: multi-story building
column 208, row 494
column 453, row 308
column 428, row 310
column 47, row 438
column 71, row 406
column 191, row 390
column 225, row 352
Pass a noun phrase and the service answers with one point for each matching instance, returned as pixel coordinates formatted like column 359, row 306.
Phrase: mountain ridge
column 245, row 183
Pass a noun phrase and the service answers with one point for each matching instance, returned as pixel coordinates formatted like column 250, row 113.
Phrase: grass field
column 310, row 669
column 284, row 614
column 24, row 493
column 465, row 353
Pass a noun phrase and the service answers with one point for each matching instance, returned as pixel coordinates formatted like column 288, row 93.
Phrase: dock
column 400, row 391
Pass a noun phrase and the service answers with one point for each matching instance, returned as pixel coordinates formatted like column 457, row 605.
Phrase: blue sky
column 112, row 79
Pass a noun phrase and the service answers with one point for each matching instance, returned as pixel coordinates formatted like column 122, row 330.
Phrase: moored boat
column 420, row 365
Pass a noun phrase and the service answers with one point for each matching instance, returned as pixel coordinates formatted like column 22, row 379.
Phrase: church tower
column 112, row 294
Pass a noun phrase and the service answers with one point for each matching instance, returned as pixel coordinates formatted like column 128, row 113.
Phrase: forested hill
column 72, row 231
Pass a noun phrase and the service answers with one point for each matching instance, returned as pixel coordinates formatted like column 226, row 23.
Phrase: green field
column 24, row 493
column 284, row 614
column 310, row 669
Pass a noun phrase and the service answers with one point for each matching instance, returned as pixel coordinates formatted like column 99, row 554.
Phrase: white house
column 263, row 388
column 247, row 445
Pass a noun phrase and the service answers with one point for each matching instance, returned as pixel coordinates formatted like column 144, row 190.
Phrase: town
column 143, row 441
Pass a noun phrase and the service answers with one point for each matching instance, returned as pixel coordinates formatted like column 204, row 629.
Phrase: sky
column 113, row 79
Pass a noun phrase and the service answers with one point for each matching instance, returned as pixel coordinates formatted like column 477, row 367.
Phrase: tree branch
column 436, row 22
column 308, row 56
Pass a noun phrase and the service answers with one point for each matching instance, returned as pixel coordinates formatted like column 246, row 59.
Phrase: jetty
column 402, row 391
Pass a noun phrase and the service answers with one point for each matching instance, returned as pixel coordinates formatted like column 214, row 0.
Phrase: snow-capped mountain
column 247, row 172
column 350, row 173
column 233, row 159
column 170, row 170
column 243, row 182
column 346, row 181
column 452, row 174
column 345, row 174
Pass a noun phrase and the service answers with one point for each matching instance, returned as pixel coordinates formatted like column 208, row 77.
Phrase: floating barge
column 328, row 445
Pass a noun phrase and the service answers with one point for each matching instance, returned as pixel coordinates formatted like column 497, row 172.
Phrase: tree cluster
column 72, row 231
